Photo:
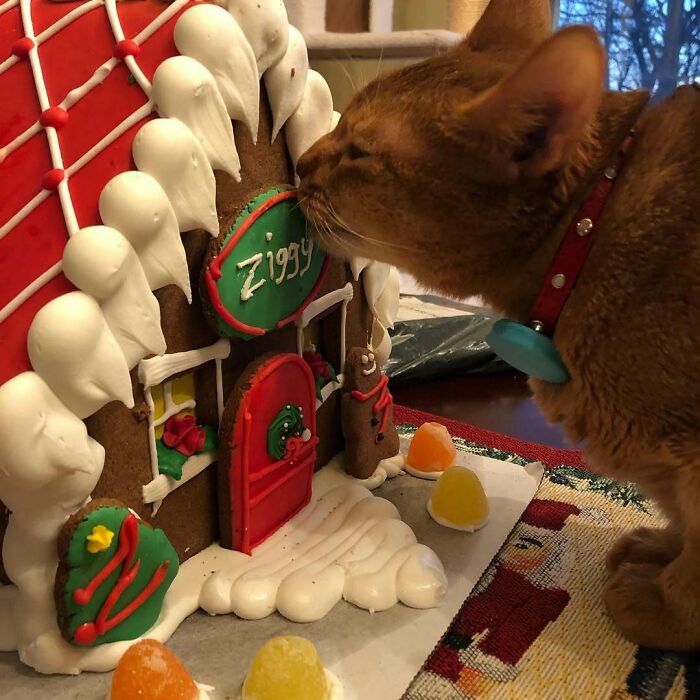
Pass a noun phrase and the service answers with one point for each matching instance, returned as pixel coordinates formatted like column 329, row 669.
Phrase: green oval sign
column 268, row 270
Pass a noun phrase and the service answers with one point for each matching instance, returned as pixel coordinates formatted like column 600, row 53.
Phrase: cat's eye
column 356, row 151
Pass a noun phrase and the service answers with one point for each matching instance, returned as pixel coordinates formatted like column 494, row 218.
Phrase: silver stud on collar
column 558, row 281
column 537, row 326
column 584, row 227
column 610, row 173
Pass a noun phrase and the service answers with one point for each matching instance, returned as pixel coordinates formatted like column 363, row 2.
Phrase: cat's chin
column 337, row 248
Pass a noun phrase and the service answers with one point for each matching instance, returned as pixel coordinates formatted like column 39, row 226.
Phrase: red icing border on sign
column 213, row 272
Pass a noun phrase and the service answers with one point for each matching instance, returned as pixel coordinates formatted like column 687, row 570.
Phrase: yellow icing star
column 99, row 539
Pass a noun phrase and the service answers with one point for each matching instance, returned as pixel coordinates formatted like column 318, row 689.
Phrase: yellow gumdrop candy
column 289, row 668
column 150, row 671
column 431, row 449
column 458, row 500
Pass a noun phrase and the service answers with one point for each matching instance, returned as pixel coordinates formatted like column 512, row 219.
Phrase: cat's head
column 424, row 161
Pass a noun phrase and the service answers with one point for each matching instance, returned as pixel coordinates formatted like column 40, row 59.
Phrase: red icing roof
column 74, row 39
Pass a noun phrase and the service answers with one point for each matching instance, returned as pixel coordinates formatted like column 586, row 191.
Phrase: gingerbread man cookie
column 367, row 415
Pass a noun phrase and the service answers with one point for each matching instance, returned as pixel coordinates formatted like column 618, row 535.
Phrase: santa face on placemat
column 516, row 601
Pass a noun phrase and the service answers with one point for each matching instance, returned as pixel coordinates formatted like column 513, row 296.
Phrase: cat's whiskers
column 329, row 223
column 300, row 201
column 351, row 80
column 337, row 241
column 379, row 72
column 341, row 223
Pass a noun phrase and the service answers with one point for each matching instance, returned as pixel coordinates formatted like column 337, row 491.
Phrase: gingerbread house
column 173, row 340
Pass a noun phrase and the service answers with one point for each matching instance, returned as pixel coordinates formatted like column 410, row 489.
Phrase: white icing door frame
column 157, row 370
column 313, row 310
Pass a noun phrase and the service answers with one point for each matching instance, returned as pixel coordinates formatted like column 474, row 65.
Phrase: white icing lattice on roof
column 71, row 98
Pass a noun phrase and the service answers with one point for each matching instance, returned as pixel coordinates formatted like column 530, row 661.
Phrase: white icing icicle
column 382, row 288
column 375, row 279
column 184, row 89
column 72, row 349
column 169, row 151
column 384, row 305
column 135, row 204
column 335, row 120
column 40, row 441
column 101, row 262
column 357, row 265
column 265, row 25
column 48, row 467
column 285, row 81
column 312, row 119
column 212, row 36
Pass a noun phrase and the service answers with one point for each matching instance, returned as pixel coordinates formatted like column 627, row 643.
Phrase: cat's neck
column 517, row 280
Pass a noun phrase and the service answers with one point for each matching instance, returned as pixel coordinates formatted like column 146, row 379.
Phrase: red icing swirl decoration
column 125, row 555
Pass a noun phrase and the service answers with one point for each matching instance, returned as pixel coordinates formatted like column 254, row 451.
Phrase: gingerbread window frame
column 157, row 371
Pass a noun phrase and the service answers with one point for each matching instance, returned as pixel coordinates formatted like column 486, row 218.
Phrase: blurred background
column 653, row 44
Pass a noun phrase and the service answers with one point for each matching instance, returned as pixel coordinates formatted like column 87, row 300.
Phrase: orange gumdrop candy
column 150, row 671
column 431, row 449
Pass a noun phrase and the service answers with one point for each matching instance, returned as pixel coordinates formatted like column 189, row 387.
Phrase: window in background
column 652, row 44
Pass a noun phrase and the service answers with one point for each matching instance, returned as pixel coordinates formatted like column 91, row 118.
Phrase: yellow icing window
column 183, row 389
column 174, row 397
column 313, row 337
column 158, row 403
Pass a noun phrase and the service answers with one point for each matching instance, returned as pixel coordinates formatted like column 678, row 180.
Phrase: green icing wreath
column 287, row 423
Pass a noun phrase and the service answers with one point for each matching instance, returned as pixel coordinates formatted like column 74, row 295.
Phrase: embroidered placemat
column 535, row 626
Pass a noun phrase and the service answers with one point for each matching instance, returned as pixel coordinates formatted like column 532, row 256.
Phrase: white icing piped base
column 346, row 544
column 205, row 690
column 386, row 469
column 446, row 523
column 428, row 476
column 336, row 687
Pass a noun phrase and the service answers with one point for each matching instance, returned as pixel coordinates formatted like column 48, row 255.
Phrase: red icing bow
column 184, row 435
column 293, row 445
column 318, row 365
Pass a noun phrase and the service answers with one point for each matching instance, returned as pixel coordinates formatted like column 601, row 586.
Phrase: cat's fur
column 465, row 171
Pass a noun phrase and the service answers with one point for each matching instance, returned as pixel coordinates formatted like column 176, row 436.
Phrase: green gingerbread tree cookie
column 113, row 574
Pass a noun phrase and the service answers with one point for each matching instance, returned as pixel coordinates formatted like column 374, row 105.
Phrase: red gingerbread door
column 268, row 450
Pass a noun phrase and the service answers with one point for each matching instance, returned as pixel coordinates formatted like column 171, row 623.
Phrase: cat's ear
column 531, row 122
column 512, row 24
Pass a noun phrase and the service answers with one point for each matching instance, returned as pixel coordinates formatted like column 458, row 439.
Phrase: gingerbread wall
column 189, row 514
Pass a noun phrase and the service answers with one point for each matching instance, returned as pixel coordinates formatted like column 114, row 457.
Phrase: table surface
column 502, row 403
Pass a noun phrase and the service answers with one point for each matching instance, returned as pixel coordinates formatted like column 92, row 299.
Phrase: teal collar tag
column 528, row 351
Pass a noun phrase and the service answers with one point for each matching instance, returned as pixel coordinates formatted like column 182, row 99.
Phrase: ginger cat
column 465, row 170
